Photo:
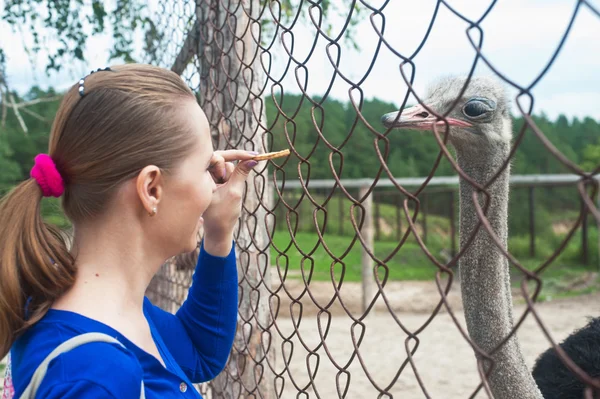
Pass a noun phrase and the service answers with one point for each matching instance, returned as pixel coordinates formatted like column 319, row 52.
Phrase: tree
column 74, row 22
column 591, row 157
column 17, row 150
column 11, row 172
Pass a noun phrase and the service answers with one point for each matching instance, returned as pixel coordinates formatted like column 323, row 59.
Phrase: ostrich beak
column 418, row 118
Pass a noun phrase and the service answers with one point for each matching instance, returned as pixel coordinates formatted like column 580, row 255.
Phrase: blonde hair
column 125, row 120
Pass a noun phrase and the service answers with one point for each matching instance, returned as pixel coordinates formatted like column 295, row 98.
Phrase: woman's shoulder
column 107, row 367
column 103, row 367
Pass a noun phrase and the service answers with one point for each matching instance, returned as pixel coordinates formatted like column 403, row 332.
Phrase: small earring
column 153, row 212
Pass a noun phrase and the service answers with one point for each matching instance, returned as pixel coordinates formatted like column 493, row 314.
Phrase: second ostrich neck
column 484, row 273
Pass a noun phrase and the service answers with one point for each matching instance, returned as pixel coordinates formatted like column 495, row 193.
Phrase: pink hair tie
column 45, row 173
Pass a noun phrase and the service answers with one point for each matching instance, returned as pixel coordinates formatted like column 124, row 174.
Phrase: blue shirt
column 194, row 344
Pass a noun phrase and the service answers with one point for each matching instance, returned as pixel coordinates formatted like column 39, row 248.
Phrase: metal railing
column 445, row 187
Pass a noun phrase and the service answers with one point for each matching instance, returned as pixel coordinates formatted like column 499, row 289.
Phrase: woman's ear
column 149, row 187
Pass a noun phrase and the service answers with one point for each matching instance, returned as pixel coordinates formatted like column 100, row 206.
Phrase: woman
column 131, row 155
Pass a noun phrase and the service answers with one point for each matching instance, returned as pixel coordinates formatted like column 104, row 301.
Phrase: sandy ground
column 444, row 360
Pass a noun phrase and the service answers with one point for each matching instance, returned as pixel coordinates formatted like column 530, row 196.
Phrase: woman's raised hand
column 225, row 208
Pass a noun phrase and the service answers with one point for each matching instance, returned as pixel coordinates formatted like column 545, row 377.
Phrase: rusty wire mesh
column 298, row 337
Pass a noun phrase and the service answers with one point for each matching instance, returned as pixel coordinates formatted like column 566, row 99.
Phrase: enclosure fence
column 307, row 327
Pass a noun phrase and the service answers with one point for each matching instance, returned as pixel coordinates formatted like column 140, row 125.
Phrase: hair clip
column 81, row 89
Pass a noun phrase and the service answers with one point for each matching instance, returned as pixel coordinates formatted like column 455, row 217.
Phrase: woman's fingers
column 218, row 169
column 240, row 173
column 235, row 155
column 222, row 166
column 230, row 171
column 229, row 168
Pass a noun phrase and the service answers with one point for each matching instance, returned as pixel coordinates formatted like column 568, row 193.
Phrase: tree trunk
column 230, row 85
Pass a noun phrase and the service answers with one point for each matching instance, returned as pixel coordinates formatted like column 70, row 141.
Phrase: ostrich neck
column 485, row 278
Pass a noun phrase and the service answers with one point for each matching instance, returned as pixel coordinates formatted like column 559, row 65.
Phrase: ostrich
column 481, row 132
column 555, row 380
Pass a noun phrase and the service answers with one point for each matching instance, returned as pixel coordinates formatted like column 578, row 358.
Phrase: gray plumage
column 481, row 133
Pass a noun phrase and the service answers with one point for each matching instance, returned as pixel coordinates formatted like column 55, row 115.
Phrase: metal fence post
column 584, row 235
column 598, row 228
column 341, row 213
column 531, row 221
column 452, row 223
column 377, row 198
column 424, row 217
column 368, row 281
column 398, row 216
column 280, row 214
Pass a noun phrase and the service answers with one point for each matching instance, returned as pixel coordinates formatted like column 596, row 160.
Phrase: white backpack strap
column 66, row 346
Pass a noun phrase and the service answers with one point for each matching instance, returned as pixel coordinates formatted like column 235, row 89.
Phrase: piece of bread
column 271, row 155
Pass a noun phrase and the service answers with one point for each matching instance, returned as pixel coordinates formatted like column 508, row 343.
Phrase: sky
column 520, row 37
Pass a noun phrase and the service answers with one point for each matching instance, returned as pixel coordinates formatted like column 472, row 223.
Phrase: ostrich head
column 480, row 119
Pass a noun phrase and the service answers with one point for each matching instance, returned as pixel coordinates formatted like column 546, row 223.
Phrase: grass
column 410, row 263
column 566, row 276
column 337, row 220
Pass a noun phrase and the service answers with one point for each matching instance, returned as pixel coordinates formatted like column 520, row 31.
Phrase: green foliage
column 74, row 22
column 591, row 156
column 323, row 132
column 328, row 14
column 67, row 20
column 314, row 128
column 11, row 172
column 2, row 62
column 25, row 146
column 17, row 149
column 571, row 138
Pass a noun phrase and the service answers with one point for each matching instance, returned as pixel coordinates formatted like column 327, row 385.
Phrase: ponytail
column 35, row 265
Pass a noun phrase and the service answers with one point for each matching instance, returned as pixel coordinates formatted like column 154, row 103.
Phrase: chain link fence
column 323, row 311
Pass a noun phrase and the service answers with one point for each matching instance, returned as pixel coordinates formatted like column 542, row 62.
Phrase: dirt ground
column 444, row 361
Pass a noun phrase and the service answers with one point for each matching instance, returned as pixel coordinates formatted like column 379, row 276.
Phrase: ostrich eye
column 478, row 107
